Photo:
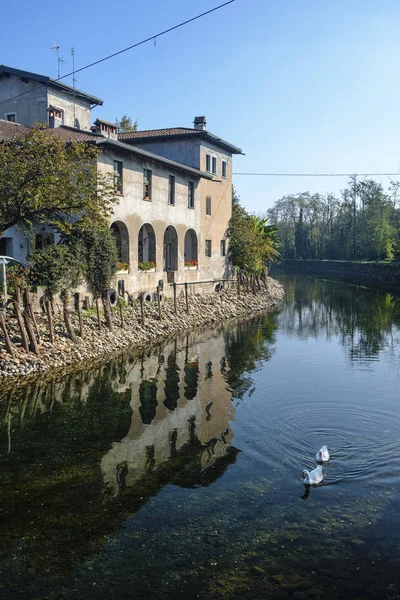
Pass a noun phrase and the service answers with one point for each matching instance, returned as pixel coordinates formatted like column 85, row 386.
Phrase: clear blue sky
column 309, row 86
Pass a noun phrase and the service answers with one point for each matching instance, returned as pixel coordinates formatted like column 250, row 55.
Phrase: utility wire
column 149, row 39
column 317, row 174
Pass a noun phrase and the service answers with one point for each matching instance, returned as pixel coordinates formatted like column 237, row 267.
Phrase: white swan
column 314, row 477
column 322, row 455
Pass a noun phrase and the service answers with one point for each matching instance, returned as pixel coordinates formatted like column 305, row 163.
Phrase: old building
column 174, row 186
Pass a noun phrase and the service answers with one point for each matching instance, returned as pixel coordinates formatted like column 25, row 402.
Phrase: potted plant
column 191, row 264
column 148, row 266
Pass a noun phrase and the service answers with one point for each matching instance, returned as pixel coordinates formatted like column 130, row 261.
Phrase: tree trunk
column 9, row 345
column 107, row 311
column 67, row 320
column 98, row 313
column 33, row 346
column 80, row 316
column 20, row 319
column 121, row 314
column 49, row 320
column 31, row 313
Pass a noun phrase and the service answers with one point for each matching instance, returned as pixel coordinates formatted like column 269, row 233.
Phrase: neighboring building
column 28, row 97
column 174, row 187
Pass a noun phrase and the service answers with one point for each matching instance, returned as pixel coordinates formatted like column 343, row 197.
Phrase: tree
column 44, row 180
column 252, row 241
column 125, row 124
column 100, row 264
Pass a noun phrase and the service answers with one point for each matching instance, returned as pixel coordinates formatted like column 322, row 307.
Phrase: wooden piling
column 175, row 299
column 9, row 345
column 141, row 296
column 158, row 302
column 186, row 297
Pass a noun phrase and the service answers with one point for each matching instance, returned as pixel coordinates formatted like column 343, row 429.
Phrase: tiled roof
column 70, row 134
column 136, row 137
column 106, row 122
column 10, row 130
column 151, row 133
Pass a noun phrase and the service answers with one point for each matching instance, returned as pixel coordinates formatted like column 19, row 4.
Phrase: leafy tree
column 125, row 124
column 44, row 180
column 101, row 259
column 252, row 241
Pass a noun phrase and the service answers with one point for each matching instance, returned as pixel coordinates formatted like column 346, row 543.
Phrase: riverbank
column 380, row 274
column 204, row 310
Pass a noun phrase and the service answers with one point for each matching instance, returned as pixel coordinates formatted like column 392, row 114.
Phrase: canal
column 176, row 473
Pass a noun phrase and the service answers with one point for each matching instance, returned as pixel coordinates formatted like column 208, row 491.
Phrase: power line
column 318, row 174
column 149, row 39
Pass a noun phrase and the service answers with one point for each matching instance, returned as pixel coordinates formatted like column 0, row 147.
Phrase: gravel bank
column 204, row 310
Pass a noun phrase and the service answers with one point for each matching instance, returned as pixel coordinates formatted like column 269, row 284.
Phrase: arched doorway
column 170, row 249
column 147, row 244
column 191, row 257
column 120, row 232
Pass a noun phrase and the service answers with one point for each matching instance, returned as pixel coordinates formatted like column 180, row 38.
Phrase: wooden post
column 32, row 339
column 120, row 312
column 186, row 297
column 67, row 320
column 98, row 314
column 9, row 345
column 32, row 313
column 80, row 332
column 49, row 320
column 175, row 299
column 20, row 319
column 141, row 307
column 158, row 302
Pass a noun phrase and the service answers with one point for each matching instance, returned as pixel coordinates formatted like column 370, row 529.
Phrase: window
column 223, row 168
column 208, row 247
column 146, row 184
column 214, row 165
column 208, row 163
column 12, row 117
column 171, row 190
column 208, row 205
column 223, row 247
column 190, row 194
column 118, row 167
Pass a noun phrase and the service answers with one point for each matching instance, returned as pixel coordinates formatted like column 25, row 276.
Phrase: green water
column 176, row 474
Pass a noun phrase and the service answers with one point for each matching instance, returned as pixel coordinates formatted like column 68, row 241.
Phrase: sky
column 300, row 86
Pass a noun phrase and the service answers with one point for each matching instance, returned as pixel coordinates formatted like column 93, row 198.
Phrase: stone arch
column 146, row 244
column 191, row 246
column 170, row 249
column 121, row 235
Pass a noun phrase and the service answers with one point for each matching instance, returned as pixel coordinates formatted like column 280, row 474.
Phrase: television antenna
column 60, row 60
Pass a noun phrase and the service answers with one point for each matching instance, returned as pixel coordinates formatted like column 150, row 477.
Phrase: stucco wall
column 185, row 151
column 134, row 212
column 193, row 151
column 29, row 107
column 66, row 103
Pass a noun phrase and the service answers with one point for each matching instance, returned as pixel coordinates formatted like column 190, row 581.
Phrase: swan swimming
column 322, row 454
column 314, row 477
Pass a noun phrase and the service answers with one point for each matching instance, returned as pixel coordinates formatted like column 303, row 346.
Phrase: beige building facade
column 173, row 186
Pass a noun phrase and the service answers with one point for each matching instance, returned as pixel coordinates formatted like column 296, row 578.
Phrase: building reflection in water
column 180, row 404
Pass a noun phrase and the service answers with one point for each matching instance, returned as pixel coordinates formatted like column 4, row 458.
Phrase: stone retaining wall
column 204, row 310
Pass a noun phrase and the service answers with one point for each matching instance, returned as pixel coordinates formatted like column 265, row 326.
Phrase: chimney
column 106, row 129
column 200, row 123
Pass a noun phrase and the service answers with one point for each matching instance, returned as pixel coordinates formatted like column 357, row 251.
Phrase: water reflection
column 175, row 473
column 364, row 320
column 78, row 453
